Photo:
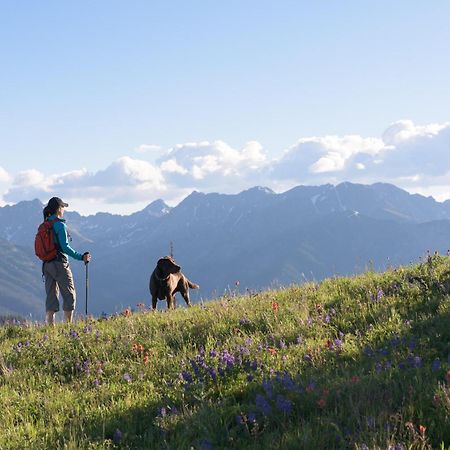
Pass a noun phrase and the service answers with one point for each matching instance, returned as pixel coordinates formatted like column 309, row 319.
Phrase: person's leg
column 50, row 318
column 52, row 292
column 67, row 288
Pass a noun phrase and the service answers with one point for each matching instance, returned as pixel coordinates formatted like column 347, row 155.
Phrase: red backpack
column 44, row 243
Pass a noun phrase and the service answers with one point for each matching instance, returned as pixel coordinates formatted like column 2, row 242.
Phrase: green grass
column 350, row 363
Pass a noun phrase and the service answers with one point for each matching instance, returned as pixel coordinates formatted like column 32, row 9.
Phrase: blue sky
column 114, row 104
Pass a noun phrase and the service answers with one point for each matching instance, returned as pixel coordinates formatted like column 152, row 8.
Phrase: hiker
column 57, row 273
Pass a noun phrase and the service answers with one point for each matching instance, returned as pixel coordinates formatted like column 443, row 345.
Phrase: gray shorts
column 59, row 278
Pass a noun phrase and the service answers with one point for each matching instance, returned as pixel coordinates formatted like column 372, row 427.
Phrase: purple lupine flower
column 387, row 365
column 251, row 417
column 268, row 387
column 174, row 410
column 212, row 353
column 412, row 344
column 239, row 420
column 221, row 371
column 204, row 443
column 380, row 294
column 96, row 382
column 163, row 411
column 127, row 377
column 187, row 377
column 194, row 367
column 117, row 436
column 250, row 377
column 262, row 404
column 212, row 372
column 371, row 422
column 73, row 334
column 248, row 342
column 282, row 344
column 244, row 350
column 368, row 351
column 327, row 318
column 415, row 361
column 299, row 340
column 395, row 342
column 284, row 404
column 338, row 344
column 288, row 382
column 244, row 321
column 436, row 365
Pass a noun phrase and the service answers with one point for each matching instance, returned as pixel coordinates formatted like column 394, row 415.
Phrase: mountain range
column 226, row 243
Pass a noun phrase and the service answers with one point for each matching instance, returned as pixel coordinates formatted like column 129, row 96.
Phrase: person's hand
column 86, row 257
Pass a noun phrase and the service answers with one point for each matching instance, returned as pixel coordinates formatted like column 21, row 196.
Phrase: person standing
column 57, row 273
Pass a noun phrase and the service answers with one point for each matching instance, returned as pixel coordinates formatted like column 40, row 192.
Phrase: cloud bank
column 414, row 157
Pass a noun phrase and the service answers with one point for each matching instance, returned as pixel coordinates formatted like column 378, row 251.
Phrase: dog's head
column 166, row 266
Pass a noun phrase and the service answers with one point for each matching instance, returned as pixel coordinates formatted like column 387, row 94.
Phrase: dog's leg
column 186, row 298
column 170, row 301
column 154, row 302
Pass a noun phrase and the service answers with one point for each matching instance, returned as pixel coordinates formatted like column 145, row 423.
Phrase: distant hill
column 258, row 237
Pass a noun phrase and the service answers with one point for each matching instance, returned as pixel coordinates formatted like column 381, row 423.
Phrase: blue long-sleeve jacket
column 62, row 240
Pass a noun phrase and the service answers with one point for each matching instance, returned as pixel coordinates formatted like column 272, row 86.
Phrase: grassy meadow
column 349, row 363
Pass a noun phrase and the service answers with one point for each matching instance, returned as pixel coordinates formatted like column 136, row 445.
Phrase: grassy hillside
column 355, row 363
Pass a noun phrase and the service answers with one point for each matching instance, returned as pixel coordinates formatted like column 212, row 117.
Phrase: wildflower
column 146, row 358
column 299, row 340
column 73, row 334
column 186, row 376
column 422, row 429
column 127, row 377
column 127, row 312
column 262, row 404
column 213, row 353
column 355, row 379
column 162, row 411
column 284, row 404
column 329, row 343
column 204, row 443
column 272, row 351
column 371, row 422
column 268, row 388
column 117, row 436
column 251, row 417
column 436, row 365
column 237, row 283
column 322, row 403
column 275, row 306
column 96, row 382
column 250, row 377
column 380, row 294
column 448, row 375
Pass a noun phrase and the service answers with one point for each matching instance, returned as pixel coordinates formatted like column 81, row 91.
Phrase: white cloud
column 4, row 175
column 148, row 148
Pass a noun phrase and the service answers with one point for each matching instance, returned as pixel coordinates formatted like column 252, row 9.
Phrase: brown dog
column 166, row 280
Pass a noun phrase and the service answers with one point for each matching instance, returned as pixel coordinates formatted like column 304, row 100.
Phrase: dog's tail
column 193, row 285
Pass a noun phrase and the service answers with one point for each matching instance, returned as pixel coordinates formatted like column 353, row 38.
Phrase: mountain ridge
column 256, row 237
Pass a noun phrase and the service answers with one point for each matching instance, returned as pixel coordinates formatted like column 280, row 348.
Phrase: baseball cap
column 54, row 202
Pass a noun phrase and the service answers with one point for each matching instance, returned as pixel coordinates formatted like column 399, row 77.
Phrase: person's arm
column 63, row 241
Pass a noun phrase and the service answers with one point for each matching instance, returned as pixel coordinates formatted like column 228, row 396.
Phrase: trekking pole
column 86, row 263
